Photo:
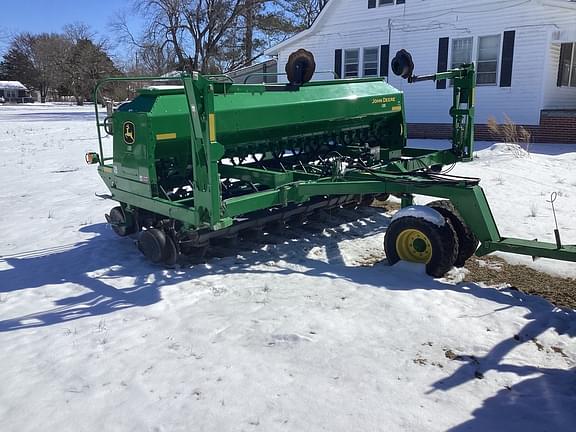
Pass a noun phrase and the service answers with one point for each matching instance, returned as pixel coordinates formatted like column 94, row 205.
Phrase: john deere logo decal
column 129, row 133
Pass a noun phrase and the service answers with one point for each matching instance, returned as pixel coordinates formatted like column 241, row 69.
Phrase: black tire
column 152, row 243
column 123, row 226
column 442, row 240
column 467, row 241
column 171, row 254
column 195, row 253
column 366, row 200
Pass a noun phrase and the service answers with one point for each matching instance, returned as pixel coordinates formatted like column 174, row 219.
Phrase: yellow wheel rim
column 414, row 246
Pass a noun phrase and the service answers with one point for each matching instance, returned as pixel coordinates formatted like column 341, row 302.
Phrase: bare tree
column 43, row 54
column 78, row 31
column 249, row 16
column 304, row 12
column 207, row 23
column 65, row 64
column 84, row 61
column 214, row 35
column 204, row 35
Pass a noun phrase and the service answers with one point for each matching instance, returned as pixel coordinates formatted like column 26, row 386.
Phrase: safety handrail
column 277, row 74
column 229, row 78
column 100, row 83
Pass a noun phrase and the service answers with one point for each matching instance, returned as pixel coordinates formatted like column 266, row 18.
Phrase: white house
column 524, row 50
column 14, row 91
column 258, row 72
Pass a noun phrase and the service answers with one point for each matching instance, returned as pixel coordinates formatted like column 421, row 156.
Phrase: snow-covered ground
column 519, row 186
column 305, row 335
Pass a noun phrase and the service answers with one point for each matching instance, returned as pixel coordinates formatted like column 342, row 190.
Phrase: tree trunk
column 249, row 32
column 43, row 93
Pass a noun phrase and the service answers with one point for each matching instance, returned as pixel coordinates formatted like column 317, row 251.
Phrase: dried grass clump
column 518, row 137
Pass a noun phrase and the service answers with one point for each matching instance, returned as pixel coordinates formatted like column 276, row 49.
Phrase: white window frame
column 572, row 69
column 475, row 53
column 498, row 59
column 451, row 53
column 345, row 63
column 377, row 61
column 392, row 3
column 451, row 63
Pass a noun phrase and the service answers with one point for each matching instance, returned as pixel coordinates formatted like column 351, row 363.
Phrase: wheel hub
column 414, row 246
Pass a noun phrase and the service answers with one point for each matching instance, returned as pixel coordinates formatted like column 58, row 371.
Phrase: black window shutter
column 371, row 4
column 565, row 54
column 384, row 60
column 507, row 59
column 400, row 1
column 338, row 62
column 442, row 60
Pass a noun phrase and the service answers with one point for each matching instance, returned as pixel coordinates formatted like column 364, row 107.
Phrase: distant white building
column 524, row 50
column 264, row 72
column 14, row 92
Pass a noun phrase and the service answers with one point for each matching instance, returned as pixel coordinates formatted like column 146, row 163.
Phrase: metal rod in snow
column 553, row 198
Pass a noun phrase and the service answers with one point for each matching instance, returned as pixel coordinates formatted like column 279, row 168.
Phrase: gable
column 358, row 13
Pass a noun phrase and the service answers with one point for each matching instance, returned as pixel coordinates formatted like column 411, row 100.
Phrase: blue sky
column 37, row 16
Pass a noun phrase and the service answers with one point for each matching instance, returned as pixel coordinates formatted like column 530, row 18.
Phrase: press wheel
column 122, row 224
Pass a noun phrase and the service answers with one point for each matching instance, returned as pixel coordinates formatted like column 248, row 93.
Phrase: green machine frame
column 400, row 174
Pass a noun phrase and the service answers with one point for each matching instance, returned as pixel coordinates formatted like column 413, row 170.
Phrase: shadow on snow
column 96, row 264
column 544, row 402
column 49, row 116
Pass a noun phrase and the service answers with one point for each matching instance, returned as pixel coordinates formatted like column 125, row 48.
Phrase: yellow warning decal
column 396, row 108
column 166, row 136
column 107, row 170
column 212, row 126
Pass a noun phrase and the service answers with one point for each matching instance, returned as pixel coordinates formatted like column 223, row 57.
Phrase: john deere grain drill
column 210, row 159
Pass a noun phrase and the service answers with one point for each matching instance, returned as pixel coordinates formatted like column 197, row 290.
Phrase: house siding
column 556, row 97
column 418, row 25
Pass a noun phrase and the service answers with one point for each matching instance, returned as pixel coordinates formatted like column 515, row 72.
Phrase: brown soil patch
column 387, row 205
column 493, row 270
column 496, row 271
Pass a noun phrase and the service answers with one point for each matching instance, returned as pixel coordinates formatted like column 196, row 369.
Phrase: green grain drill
column 210, row 159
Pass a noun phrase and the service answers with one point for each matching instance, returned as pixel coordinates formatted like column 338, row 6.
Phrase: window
column 351, row 63
column 370, row 62
column 461, row 52
column 487, row 59
column 567, row 71
column 373, row 3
